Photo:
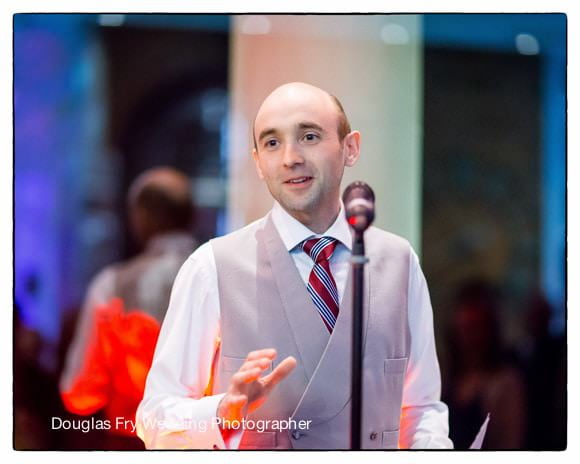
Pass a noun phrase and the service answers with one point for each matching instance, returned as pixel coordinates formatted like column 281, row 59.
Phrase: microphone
column 359, row 205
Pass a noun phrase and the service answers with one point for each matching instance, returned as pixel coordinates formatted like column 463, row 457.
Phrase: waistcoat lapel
column 308, row 329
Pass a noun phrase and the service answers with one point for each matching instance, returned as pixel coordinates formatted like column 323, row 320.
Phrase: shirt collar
column 293, row 232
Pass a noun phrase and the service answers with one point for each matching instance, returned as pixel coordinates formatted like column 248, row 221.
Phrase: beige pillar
column 373, row 64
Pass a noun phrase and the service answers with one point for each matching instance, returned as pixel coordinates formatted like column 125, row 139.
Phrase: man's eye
column 310, row 137
column 272, row 143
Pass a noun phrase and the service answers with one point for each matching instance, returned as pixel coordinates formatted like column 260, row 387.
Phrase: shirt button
column 373, row 436
column 215, row 447
column 296, row 434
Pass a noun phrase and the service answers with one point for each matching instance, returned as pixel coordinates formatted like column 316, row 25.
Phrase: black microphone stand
column 359, row 201
column 358, row 260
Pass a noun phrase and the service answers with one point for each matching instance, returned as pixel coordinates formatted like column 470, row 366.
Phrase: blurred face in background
column 474, row 333
column 299, row 153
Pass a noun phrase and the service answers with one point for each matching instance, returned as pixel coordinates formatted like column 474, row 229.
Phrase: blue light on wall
column 51, row 95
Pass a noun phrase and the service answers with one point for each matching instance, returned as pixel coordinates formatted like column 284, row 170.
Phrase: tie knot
column 319, row 249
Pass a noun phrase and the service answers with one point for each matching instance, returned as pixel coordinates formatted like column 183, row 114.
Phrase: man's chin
column 294, row 204
column 299, row 206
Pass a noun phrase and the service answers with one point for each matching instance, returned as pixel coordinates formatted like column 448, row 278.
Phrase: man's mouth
column 298, row 180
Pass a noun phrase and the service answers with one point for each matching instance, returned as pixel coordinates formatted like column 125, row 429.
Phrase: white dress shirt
column 175, row 413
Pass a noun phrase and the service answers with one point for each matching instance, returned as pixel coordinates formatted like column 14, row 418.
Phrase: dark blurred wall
column 484, row 201
column 481, row 184
column 167, row 101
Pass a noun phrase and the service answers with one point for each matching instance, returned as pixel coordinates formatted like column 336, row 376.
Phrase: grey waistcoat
column 265, row 304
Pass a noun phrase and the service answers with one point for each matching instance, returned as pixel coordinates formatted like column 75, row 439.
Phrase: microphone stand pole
column 358, row 260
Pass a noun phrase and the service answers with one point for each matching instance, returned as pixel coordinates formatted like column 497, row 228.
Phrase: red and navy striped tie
column 321, row 284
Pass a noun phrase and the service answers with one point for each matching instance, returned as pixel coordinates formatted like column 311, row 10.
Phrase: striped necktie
column 321, row 284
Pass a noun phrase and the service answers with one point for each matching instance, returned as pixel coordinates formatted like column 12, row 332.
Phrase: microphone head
column 359, row 205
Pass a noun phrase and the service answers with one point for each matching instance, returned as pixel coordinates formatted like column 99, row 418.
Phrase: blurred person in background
column 35, row 389
column 482, row 378
column 545, row 368
column 108, row 360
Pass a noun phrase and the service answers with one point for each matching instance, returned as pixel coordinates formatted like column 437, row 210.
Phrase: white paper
column 478, row 441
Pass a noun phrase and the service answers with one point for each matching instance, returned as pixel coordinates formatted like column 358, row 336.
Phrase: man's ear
column 257, row 163
column 352, row 146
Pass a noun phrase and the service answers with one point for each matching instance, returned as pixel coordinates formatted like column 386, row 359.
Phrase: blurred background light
column 111, row 20
column 527, row 44
column 394, row 34
column 255, row 25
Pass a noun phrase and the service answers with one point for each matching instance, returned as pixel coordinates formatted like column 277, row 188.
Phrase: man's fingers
column 282, row 370
column 265, row 353
column 262, row 363
column 242, row 377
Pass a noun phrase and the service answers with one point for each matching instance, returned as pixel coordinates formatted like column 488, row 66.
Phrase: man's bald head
column 343, row 125
column 160, row 201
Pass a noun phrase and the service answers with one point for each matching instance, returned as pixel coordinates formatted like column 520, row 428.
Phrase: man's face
column 299, row 153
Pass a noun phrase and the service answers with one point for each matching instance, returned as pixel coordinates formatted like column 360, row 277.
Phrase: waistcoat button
column 373, row 436
column 296, row 434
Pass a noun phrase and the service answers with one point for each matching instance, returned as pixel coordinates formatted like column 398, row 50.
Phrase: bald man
column 160, row 214
column 255, row 350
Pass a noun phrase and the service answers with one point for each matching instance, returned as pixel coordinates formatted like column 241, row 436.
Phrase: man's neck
column 317, row 223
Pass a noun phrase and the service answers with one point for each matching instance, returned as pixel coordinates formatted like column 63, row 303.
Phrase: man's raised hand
column 247, row 390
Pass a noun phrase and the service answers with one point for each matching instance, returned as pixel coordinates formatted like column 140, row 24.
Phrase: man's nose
column 292, row 155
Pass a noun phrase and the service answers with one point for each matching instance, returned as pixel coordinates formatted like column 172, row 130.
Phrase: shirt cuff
column 207, row 411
